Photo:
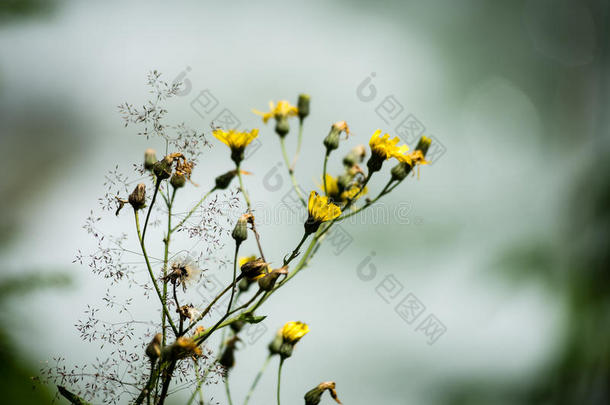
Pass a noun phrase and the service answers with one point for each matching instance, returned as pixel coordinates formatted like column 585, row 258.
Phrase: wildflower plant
column 172, row 351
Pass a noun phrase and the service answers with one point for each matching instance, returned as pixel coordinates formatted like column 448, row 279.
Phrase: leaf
column 249, row 318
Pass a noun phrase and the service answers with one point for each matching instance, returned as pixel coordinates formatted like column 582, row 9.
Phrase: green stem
column 279, row 380
column 295, row 252
column 295, row 185
column 234, row 277
column 298, row 151
column 242, row 188
column 166, row 260
column 152, row 202
column 228, row 390
column 152, row 276
column 324, row 171
column 198, row 388
column 257, row 378
column 192, row 211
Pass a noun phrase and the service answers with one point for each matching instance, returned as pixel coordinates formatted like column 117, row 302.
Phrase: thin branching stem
column 152, row 276
column 295, row 184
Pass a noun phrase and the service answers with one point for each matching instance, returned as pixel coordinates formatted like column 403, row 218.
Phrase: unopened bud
column 227, row 359
column 223, row 181
column 150, row 157
column 178, row 180
column 332, row 139
column 244, row 285
column 303, row 106
column 240, row 232
column 401, row 171
column 137, row 198
column 267, row 282
column 355, row 156
column 276, row 343
column 163, row 169
column 423, row 144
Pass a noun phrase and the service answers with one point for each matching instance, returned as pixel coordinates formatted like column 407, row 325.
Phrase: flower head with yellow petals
column 292, row 331
column 383, row 148
column 236, row 140
column 320, row 209
column 283, row 109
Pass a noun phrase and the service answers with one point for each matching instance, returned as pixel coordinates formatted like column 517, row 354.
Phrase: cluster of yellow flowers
column 339, row 198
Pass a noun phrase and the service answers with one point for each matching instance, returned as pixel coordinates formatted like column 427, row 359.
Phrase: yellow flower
column 283, row 109
column 292, row 332
column 384, row 147
column 332, row 186
column 245, row 259
column 235, row 139
column 320, row 209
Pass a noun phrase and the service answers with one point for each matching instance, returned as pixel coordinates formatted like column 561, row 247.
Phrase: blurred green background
column 504, row 238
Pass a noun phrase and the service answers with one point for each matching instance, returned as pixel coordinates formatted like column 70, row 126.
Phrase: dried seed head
column 137, row 198
column 313, row 396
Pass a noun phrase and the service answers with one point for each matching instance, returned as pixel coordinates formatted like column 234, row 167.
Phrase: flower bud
column 223, row 181
column 281, row 126
column 240, row 232
column 163, row 169
column 314, row 396
column 355, row 156
column 401, row 171
column 227, row 359
column 423, row 144
column 150, row 157
column 244, row 285
column 303, row 106
column 137, row 198
column 177, row 180
column 267, row 282
column 276, row 343
column 153, row 350
column 332, row 139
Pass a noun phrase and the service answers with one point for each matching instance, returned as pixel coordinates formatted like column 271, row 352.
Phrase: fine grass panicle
column 172, row 248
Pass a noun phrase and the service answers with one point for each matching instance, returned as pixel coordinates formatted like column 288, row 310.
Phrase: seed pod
column 240, row 232
column 223, row 181
column 137, row 198
column 178, row 180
